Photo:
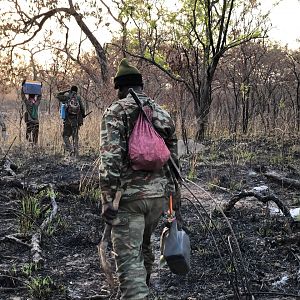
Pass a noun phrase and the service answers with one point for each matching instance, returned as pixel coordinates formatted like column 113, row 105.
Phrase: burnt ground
column 266, row 264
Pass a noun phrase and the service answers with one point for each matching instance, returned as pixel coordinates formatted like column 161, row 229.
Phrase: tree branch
column 262, row 198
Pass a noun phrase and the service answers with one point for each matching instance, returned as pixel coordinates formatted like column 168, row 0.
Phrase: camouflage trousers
column 131, row 240
column 71, row 129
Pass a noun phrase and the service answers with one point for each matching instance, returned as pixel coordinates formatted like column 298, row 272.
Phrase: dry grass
column 50, row 133
column 51, row 126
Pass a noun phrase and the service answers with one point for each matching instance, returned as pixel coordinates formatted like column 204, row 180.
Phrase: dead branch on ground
column 264, row 198
column 37, row 237
column 288, row 182
column 14, row 238
column 285, row 240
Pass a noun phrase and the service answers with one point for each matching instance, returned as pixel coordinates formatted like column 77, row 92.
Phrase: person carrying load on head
column 31, row 95
column 72, row 112
column 144, row 192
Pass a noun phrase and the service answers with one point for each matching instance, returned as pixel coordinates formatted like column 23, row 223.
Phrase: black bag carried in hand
column 176, row 249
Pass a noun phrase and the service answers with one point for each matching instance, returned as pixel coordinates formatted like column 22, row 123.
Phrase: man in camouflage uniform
column 72, row 121
column 31, row 115
column 143, row 192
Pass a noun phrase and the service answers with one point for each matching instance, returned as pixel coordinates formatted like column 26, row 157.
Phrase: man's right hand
column 109, row 213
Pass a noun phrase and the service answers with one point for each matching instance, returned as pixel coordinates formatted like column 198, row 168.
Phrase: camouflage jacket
column 30, row 103
column 115, row 171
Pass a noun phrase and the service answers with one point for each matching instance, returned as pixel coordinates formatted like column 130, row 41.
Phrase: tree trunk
column 201, row 130
column 298, row 106
column 202, row 108
column 50, row 99
column 99, row 49
column 245, row 113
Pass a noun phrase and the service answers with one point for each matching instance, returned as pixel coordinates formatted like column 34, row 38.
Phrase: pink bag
column 147, row 149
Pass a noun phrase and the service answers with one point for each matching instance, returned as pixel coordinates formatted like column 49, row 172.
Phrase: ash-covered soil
column 252, row 252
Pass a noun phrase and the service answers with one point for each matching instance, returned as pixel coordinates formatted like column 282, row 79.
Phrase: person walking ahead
column 73, row 118
column 3, row 128
column 143, row 192
column 31, row 116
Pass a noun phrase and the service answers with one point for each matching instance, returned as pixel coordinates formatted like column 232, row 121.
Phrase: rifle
column 87, row 114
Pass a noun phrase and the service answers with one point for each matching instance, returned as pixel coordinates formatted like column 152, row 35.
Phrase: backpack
column 73, row 106
column 146, row 148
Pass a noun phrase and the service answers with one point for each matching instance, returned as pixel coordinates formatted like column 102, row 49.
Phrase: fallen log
column 284, row 181
column 37, row 237
column 285, row 240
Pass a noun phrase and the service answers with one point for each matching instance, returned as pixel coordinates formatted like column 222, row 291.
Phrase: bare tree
column 294, row 62
column 23, row 21
column 259, row 88
column 188, row 43
column 236, row 75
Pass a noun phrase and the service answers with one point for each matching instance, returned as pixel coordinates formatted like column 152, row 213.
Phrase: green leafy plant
column 230, row 268
column 280, row 159
column 214, row 181
column 57, row 224
column 203, row 251
column 192, row 174
column 236, row 185
column 92, row 194
column 241, row 155
column 40, row 287
column 29, row 268
column 50, row 193
column 214, row 152
column 265, row 231
column 30, row 212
